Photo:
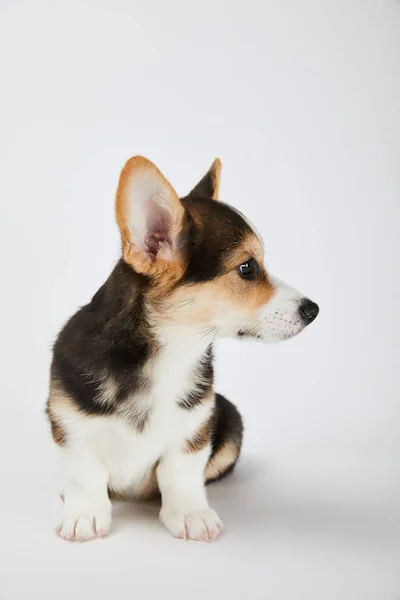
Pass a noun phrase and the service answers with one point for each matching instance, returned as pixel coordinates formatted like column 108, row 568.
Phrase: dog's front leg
column 86, row 511
column 185, row 511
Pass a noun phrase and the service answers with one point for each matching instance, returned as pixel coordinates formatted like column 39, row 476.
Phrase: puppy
column 132, row 405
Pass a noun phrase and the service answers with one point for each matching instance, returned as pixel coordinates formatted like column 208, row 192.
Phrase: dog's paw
column 84, row 525
column 200, row 525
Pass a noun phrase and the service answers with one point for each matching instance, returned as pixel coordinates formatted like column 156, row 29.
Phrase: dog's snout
column 308, row 311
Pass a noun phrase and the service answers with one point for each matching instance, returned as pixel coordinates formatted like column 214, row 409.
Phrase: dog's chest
column 130, row 452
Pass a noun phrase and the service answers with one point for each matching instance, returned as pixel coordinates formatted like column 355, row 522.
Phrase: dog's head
column 202, row 259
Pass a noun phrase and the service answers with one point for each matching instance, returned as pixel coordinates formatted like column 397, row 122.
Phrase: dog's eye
column 247, row 270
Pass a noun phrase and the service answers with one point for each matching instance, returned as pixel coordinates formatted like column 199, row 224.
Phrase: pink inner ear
column 158, row 226
column 153, row 243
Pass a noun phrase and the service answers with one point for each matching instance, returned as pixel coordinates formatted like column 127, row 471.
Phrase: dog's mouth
column 274, row 335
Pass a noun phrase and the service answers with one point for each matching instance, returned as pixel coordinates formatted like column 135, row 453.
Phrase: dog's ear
column 149, row 215
column 209, row 185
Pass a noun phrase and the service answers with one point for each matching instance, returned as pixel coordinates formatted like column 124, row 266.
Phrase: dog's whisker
column 215, row 335
column 208, row 331
column 181, row 305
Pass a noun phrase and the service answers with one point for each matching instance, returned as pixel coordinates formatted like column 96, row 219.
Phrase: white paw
column 86, row 524
column 201, row 525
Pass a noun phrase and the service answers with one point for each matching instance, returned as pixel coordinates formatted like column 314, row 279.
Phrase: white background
column 301, row 100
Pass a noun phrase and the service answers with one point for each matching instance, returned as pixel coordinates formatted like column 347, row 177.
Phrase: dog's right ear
column 209, row 185
column 149, row 215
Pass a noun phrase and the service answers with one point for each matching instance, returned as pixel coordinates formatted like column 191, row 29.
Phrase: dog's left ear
column 149, row 215
column 209, row 185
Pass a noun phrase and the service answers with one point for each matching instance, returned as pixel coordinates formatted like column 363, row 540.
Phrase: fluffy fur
column 132, row 405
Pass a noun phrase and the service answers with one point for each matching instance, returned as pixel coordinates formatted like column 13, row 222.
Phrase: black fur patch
column 204, row 375
column 206, row 186
column 107, row 339
column 212, row 230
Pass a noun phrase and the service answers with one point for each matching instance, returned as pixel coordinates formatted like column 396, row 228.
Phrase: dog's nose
column 308, row 311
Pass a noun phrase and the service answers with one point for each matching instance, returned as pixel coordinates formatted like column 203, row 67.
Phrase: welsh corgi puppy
column 132, row 405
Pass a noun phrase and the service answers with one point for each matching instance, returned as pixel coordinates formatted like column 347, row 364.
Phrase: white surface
column 301, row 102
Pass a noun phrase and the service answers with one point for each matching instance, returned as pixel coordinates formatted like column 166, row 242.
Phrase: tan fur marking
column 59, row 400
column 251, row 247
column 246, row 296
column 224, row 458
column 215, row 172
column 201, row 437
column 60, row 407
column 197, row 304
column 57, row 431
column 148, row 489
column 59, row 403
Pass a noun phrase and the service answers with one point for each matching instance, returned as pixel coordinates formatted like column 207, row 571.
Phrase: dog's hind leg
column 226, row 440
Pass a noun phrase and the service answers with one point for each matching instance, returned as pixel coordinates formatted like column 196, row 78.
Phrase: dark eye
column 247, row 270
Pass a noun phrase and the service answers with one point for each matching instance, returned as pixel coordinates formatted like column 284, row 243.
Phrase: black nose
column 308, row 311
